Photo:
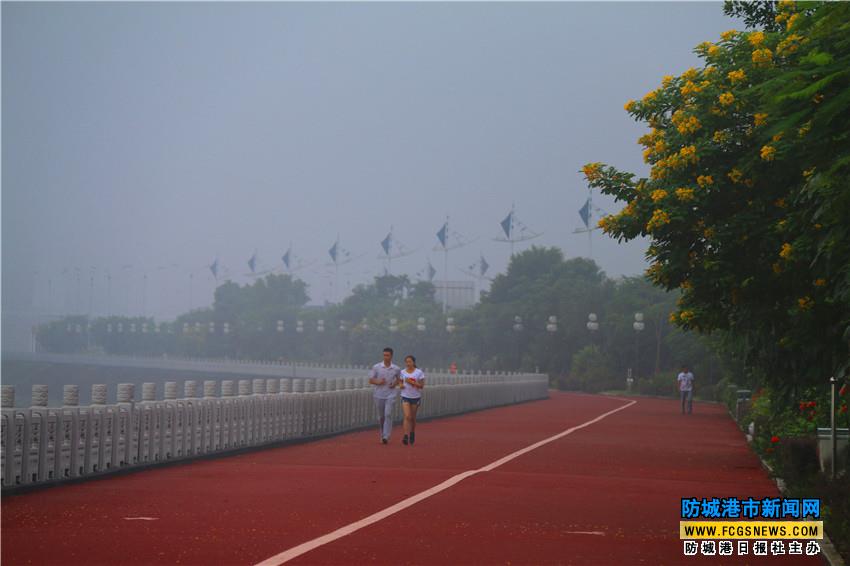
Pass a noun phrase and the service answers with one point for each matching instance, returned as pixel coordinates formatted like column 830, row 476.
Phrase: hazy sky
column 162, row 135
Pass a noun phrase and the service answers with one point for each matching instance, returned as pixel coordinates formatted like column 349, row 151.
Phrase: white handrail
column 42, row 444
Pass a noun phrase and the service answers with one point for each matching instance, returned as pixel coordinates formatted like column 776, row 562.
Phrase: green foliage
column 758, row 14
column 664, row 384
column 593, row 372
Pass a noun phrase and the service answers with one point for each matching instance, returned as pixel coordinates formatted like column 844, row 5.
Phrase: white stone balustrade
column 42, row 444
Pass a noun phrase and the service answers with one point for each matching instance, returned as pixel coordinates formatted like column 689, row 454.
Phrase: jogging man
column 686, row 389
column 385, row 377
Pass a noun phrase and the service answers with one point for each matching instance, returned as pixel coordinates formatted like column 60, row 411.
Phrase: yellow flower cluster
column 671, row 162
column 780, row 203
column 791, row 21
column 820, row 282
column 686, row 316
column 768, row 153
column 809, row 172
column 658, row 171
column 786, row 251
column 654, row 272
column 592, row 171
column 726, row 98
column 629, row 106
column 684, row 194
column 805, row 303
column 659, row 218
column 760, row 119
column 685, row 124
column 705, row 180
column 649, row 96
column 735, row 175
column 763, row 57
column 737, row 76
column 689, row 153
column 666, row 80
column 690, row 74
column 804, row 129
column 790, row 44
column 727, row 35
column 713, row 51
column 778, row 137
column 651, row 138
column 606, row 223
column 708, row 232
column 756, row 38
column 720, row 136
column 691, row 87
column 658, row 195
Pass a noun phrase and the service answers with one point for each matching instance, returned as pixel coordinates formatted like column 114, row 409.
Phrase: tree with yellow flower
column 756, row 151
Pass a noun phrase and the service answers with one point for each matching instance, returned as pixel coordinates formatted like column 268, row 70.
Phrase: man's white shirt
column 388, row 374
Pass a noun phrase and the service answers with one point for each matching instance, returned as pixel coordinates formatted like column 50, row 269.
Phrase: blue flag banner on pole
column 252, row 263
column 332, row 251
column 484, row 266
column 214, row 268
column 506, row 224
column 584, row 212
column 286, row 259
column 442, row 234
column 386, row 243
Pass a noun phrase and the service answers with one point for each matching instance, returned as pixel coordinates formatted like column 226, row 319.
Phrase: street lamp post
column 593, row 326
column 518, row 328
column 638, row 325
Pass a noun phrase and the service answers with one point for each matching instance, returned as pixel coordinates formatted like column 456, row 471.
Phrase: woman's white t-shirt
column 408, row 390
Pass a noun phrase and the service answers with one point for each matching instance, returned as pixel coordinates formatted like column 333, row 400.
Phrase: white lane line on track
column 306, row 547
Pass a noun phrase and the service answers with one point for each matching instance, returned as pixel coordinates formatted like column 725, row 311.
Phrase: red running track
column 608, row 493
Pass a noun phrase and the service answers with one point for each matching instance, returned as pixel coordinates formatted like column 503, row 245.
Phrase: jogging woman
column 413, row 381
